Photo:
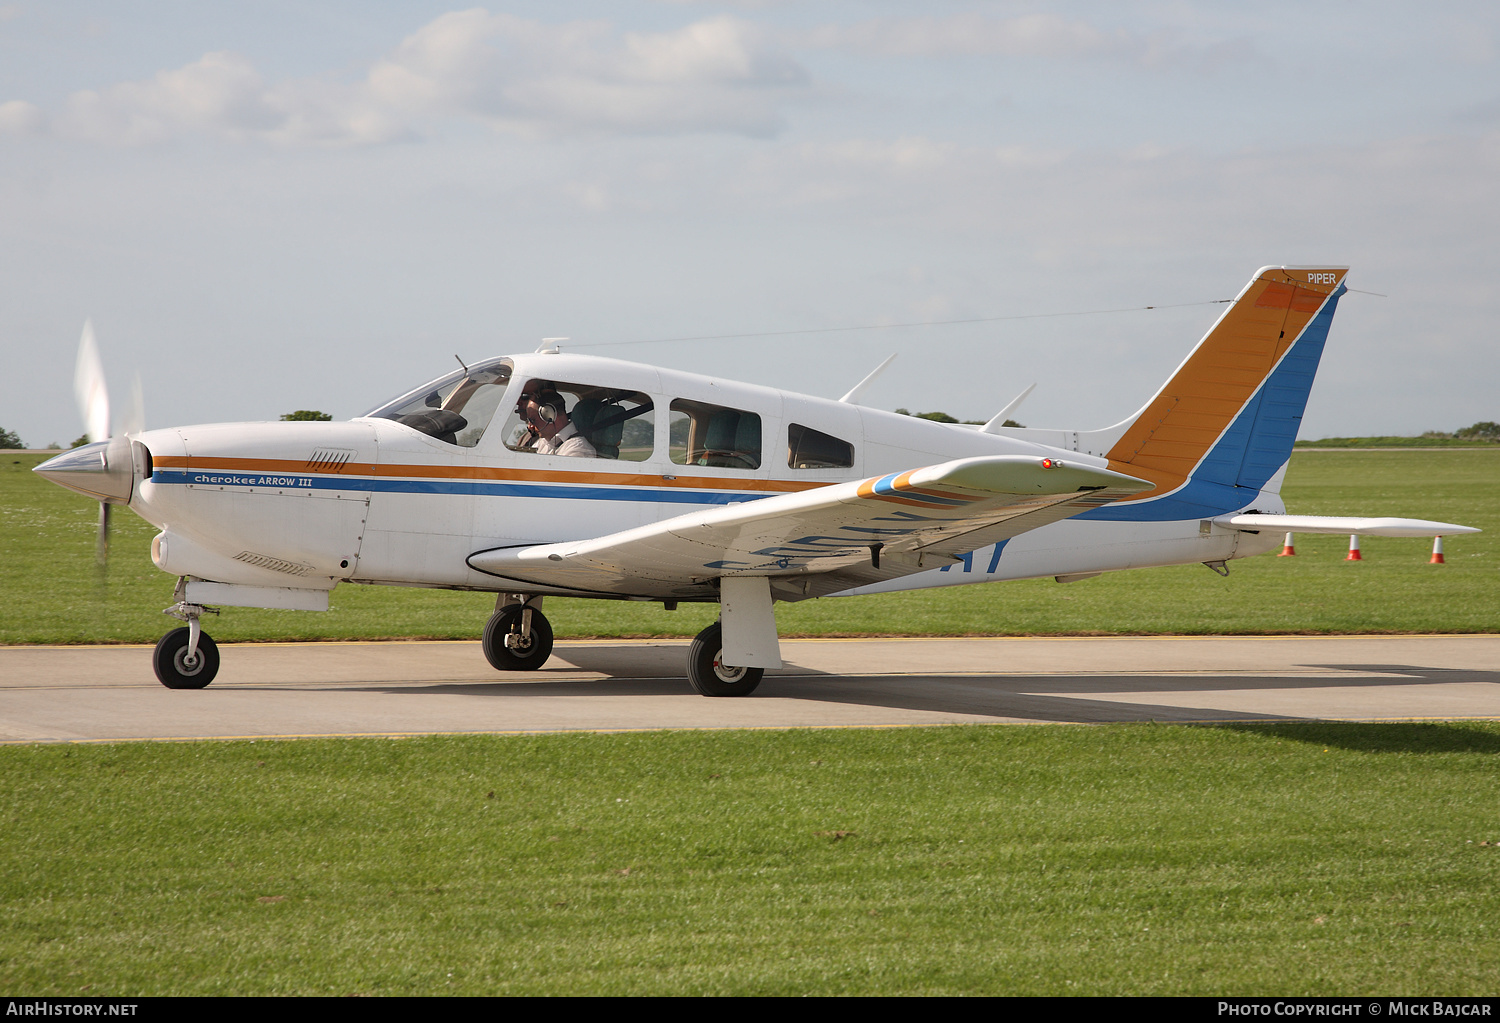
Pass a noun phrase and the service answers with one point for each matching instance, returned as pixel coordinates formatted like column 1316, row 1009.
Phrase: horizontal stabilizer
column 1342, row 525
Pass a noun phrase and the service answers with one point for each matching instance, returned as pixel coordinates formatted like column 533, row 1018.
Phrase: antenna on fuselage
column 549, row 346
column 999, row 418
column 461, row 363
column 852, row 398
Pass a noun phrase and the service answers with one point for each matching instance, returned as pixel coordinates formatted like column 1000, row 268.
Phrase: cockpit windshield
column 455, row 409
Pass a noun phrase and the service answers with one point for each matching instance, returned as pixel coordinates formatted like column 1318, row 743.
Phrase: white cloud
column 717, row 74
column 21, row 118
column 220, row 93
column 1049, row 36
column 712, row 75
column 1033, row 35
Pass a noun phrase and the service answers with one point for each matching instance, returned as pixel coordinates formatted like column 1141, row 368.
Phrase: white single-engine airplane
column 558, row 474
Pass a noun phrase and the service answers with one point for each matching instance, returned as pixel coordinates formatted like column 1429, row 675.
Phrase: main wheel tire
column 175, row 671
column 529, row 652
column 709, row 674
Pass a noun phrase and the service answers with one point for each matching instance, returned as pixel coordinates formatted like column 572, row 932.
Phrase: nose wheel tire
column 508, row 649
column 709, row 674
column 175, row 670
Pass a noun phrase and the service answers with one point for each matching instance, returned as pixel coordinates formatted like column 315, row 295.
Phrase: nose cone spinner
column 103, row 470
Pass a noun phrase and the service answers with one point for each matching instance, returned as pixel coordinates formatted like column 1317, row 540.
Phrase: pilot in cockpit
column 546, row 415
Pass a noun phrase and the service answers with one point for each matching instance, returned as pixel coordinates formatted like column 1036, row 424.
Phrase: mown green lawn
column 53, row 595
column 1107, row 860
column 1129, row 859
column 1395, row 442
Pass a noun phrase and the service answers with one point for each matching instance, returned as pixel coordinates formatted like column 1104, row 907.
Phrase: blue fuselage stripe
column 483, row 488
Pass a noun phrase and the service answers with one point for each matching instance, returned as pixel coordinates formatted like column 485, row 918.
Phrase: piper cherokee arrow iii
column 558, row 474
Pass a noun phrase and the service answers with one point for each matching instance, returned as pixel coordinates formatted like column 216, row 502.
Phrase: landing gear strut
column 186, row 658
column 709, row 674
column 518, row 636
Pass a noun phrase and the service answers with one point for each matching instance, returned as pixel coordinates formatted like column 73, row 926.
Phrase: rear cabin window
column 812, row 449
column 597, row 422
column 703, row 434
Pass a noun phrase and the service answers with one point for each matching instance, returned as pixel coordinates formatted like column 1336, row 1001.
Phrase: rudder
column 1229, row 415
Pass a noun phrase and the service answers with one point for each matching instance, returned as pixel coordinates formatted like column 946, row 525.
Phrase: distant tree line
column 943, row 417
column 1479, row 431
column 1483, row 431
column 9, row 439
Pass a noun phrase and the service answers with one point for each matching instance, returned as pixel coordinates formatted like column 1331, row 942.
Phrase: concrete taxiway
column 106, row 693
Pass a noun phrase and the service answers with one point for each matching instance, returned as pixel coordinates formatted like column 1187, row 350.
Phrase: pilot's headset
column 549, row 405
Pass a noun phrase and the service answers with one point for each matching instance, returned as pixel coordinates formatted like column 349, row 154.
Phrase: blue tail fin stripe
column 1257, row 443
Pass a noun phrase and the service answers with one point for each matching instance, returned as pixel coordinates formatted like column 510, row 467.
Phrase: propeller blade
column 89, row 387
column 134, row 422
column 101, row 544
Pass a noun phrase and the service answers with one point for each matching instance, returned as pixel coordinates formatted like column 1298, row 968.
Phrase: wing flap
column 902, row 520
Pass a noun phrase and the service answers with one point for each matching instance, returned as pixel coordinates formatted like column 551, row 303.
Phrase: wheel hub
column 725, row 672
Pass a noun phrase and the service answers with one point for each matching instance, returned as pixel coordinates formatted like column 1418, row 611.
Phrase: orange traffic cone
column 1437, row 552
column 1287, row 550
column 1353, row 554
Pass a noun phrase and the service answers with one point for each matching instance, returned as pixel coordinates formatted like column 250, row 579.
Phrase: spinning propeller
column 106, row 468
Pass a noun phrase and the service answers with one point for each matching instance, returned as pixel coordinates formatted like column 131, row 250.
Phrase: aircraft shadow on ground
column 1046, row 697
column 1377, row 737
column 1028, row 698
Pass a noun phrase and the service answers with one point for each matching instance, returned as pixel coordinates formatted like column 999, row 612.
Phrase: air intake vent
column 274, row 564
column 329, row 459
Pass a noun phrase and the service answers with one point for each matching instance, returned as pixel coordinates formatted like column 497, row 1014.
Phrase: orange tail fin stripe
column 1178, row 427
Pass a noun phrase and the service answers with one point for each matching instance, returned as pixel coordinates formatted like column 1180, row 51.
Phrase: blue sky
column 316, row 205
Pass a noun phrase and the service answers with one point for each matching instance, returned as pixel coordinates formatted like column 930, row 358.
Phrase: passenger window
column 811, row 449
column 581, row 421
column 703, row 434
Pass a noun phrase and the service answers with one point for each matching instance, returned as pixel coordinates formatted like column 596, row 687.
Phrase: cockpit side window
column 581, row 421
column 455, row 409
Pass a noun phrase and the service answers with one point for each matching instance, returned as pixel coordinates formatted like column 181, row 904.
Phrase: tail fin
column 1223, row 425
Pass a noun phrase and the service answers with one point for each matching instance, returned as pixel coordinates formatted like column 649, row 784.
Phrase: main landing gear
column 186, row 658
column 518, row 636
column 708, row 673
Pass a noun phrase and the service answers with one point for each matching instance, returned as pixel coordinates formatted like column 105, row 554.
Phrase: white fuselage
column 308, row 505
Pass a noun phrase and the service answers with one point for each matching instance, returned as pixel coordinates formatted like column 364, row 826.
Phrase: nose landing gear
column 186, row 658
column 177, row 667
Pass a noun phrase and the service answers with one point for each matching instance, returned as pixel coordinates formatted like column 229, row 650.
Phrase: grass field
column 52, row 594
column 1395, row 442
column 1108, row 860
column 1105, row 860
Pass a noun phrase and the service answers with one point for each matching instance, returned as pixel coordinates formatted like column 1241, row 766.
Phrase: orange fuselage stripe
column 477, row 472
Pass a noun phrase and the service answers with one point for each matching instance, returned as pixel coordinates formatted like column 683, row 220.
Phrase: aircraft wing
column 823, row 540
column 1341, row 524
